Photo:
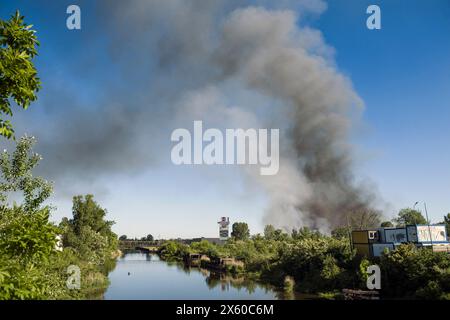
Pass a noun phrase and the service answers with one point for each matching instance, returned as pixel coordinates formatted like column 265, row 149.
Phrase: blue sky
column 401, row 72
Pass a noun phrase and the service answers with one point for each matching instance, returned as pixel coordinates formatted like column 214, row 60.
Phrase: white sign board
column 423, row 233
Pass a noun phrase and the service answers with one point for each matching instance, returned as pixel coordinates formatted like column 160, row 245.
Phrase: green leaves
column 88, row 233
column 240, row 231
column 25, row 230
column 28, row 236
column 18, row 75
column 6, row 129
column 30, row 268
column 411, row 272
column 410, row 216
column 16, row 172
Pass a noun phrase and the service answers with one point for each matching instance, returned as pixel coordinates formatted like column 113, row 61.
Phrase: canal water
column 139, row 276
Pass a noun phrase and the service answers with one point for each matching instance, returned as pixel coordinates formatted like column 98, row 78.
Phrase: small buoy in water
column 128, row 273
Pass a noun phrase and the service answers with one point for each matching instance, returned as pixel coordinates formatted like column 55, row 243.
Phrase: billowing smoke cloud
column 164, row 51
column 266, row 48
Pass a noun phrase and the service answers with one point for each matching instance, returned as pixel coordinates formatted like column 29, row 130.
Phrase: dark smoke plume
column 173, row 49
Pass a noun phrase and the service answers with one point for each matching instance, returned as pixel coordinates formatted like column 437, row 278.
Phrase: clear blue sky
column 401, row 72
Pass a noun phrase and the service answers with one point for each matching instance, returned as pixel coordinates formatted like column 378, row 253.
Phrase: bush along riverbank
column 313, row 263
column 88, row 235
column 34, row 264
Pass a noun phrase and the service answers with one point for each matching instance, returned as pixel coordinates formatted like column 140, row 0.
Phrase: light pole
column 429, row 228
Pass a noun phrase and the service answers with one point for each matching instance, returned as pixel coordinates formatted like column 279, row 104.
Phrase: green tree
column 316, row 263
column 17, row 176
column 240, row 231
column 305, row 233
column 123, row 237
column 86, row 212
column 25, row 229
column 387, row 224
column 149, row 237
column 269, row 231
column 415, row 273
column 19, row 81
column 204, row 247
column 341, row 232
column 27, row 238
column 409, row 216
column 364, row 219
column 88, row 233
column 173, row 249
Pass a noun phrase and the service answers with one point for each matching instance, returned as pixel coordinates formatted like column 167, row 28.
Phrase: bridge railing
column 132, row 244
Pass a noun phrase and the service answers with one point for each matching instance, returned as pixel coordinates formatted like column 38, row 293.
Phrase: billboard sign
column 426, row 233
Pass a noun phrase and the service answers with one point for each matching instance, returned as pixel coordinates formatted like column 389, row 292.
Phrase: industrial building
column 223, row 228
column 373, row 242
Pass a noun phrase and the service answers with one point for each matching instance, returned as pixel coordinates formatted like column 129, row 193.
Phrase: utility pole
column 349, row 230
column 429, row 228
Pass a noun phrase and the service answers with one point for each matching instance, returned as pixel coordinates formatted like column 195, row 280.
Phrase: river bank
column 312, row 263
column 256, row 259
column 146, row 276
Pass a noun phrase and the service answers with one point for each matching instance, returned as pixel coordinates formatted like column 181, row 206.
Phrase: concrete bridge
column 147, row 246
column 150, row 249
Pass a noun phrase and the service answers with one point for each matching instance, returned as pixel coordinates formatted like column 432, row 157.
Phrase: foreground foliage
column 19, row 81
column 416, row 273
column 30, row 265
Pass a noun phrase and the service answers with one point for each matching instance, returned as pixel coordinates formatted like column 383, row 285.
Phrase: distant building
column 373, row 242
column 223, row 228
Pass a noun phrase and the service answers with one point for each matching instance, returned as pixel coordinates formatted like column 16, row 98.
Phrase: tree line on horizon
column 359, row 221
column 406, row 216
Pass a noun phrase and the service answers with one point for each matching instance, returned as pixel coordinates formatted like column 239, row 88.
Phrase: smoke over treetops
column 217, row 61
